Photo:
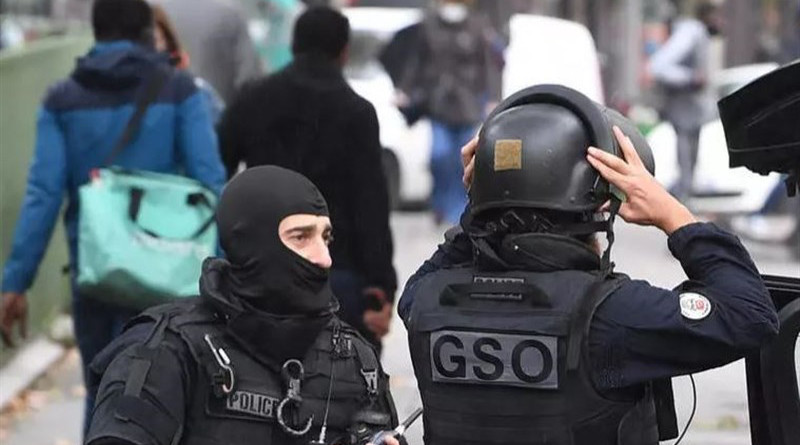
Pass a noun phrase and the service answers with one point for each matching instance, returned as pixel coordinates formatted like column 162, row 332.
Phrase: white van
column 550, row 50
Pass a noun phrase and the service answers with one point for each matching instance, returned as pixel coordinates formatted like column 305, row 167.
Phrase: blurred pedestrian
column 680, row 68
column 216, row 37
column 308, row 119
column 790, row 47
column 80, row 121
column 279, row 17
column 456, row 74
column 167, row 41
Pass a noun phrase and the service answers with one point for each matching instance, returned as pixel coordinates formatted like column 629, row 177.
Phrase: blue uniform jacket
column 639, row 332
column 79, row 123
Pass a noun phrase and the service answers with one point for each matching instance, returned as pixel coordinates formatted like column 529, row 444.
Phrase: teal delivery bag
column 143, row 237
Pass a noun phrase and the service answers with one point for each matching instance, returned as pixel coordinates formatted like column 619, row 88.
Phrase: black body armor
column 501, row 358
column 233, row 397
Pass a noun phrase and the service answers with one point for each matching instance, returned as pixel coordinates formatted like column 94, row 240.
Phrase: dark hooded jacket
column 307, row 118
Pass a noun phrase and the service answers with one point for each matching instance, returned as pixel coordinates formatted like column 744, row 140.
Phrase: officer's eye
column 299, row 238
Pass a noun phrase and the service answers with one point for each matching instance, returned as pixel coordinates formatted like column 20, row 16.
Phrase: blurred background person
column 216, row 37
column 456, row 74
column 273, row 36
column 307, row 118
column 80, row 121
column 72, row 10
column 680, row 68
column 791, row 43
column 166, row 41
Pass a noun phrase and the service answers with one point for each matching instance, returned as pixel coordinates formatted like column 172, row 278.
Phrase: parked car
column 717, row 189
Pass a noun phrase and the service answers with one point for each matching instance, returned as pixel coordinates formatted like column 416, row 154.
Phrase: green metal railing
column 25, row 75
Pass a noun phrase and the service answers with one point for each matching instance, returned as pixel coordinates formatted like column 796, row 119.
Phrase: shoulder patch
column 694, row 306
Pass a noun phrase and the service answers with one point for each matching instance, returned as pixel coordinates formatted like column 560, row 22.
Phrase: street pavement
column 721, row 419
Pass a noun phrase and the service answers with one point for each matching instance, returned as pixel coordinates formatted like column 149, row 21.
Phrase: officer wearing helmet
column 519, row 328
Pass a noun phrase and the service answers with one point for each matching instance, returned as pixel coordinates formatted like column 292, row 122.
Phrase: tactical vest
column 236, row 398
column 501, row 358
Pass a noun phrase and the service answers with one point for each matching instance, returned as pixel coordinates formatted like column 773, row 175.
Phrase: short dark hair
column 122, row 20
column 321, row 30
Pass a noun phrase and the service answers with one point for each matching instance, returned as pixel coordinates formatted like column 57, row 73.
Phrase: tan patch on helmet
column 508, row 155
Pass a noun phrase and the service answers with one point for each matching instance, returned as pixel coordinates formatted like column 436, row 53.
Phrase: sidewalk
column 51, row 411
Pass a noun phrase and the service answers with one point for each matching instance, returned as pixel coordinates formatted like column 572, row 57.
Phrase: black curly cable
column 694, row 410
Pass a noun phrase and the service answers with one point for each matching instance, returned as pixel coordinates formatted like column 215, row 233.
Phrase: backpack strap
column 146, row 97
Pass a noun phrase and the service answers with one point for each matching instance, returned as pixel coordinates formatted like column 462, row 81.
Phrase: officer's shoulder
column 351, row 331
column 176, row 312
column 143, row 330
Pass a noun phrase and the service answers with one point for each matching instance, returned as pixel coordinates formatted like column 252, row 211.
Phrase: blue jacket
column 80, row 121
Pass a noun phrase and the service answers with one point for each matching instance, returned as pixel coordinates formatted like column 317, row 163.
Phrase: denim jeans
column 449, row 196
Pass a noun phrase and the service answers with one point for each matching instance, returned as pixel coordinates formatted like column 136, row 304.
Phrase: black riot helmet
column 532, row 155
column 532, row 152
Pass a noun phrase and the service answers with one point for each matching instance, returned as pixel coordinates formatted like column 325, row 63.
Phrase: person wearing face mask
column 457, row 75
column 260, row 356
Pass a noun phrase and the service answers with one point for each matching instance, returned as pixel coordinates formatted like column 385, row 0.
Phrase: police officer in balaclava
column 520, row 330
column 260, row 356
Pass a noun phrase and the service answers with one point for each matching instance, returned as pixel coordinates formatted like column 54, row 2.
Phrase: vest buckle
column 226, row 379
column 292, row 372
column 371, row 379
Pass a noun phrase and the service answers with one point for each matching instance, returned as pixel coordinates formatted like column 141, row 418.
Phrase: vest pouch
column 244, row 416
column 639, row 425
column 249, row 413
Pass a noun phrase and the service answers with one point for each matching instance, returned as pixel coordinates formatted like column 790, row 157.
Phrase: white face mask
column 453, row 12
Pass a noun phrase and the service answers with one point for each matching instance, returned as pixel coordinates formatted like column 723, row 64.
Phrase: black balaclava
column 263, row 271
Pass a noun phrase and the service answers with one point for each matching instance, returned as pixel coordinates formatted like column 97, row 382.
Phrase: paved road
column 721, row 406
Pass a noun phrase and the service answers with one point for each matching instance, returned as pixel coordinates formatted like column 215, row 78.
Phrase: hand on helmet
column 647, row 202
column 468, row 161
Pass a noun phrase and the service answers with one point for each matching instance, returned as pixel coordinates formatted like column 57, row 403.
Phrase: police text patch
column 528, row 361
column 694, row 306
column 259, row 405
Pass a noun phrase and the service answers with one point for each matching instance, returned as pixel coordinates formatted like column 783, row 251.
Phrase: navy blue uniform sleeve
column 151, row 415
column 455, row 250
column 641, row 332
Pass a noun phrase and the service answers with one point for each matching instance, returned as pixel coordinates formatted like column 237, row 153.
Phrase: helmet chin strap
column 605, row 264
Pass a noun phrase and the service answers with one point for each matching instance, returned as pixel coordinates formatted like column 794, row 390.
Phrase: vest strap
column 369, row 366
column 140, row 367
column 454, row 294
column 135, row 410
column 581, row 324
